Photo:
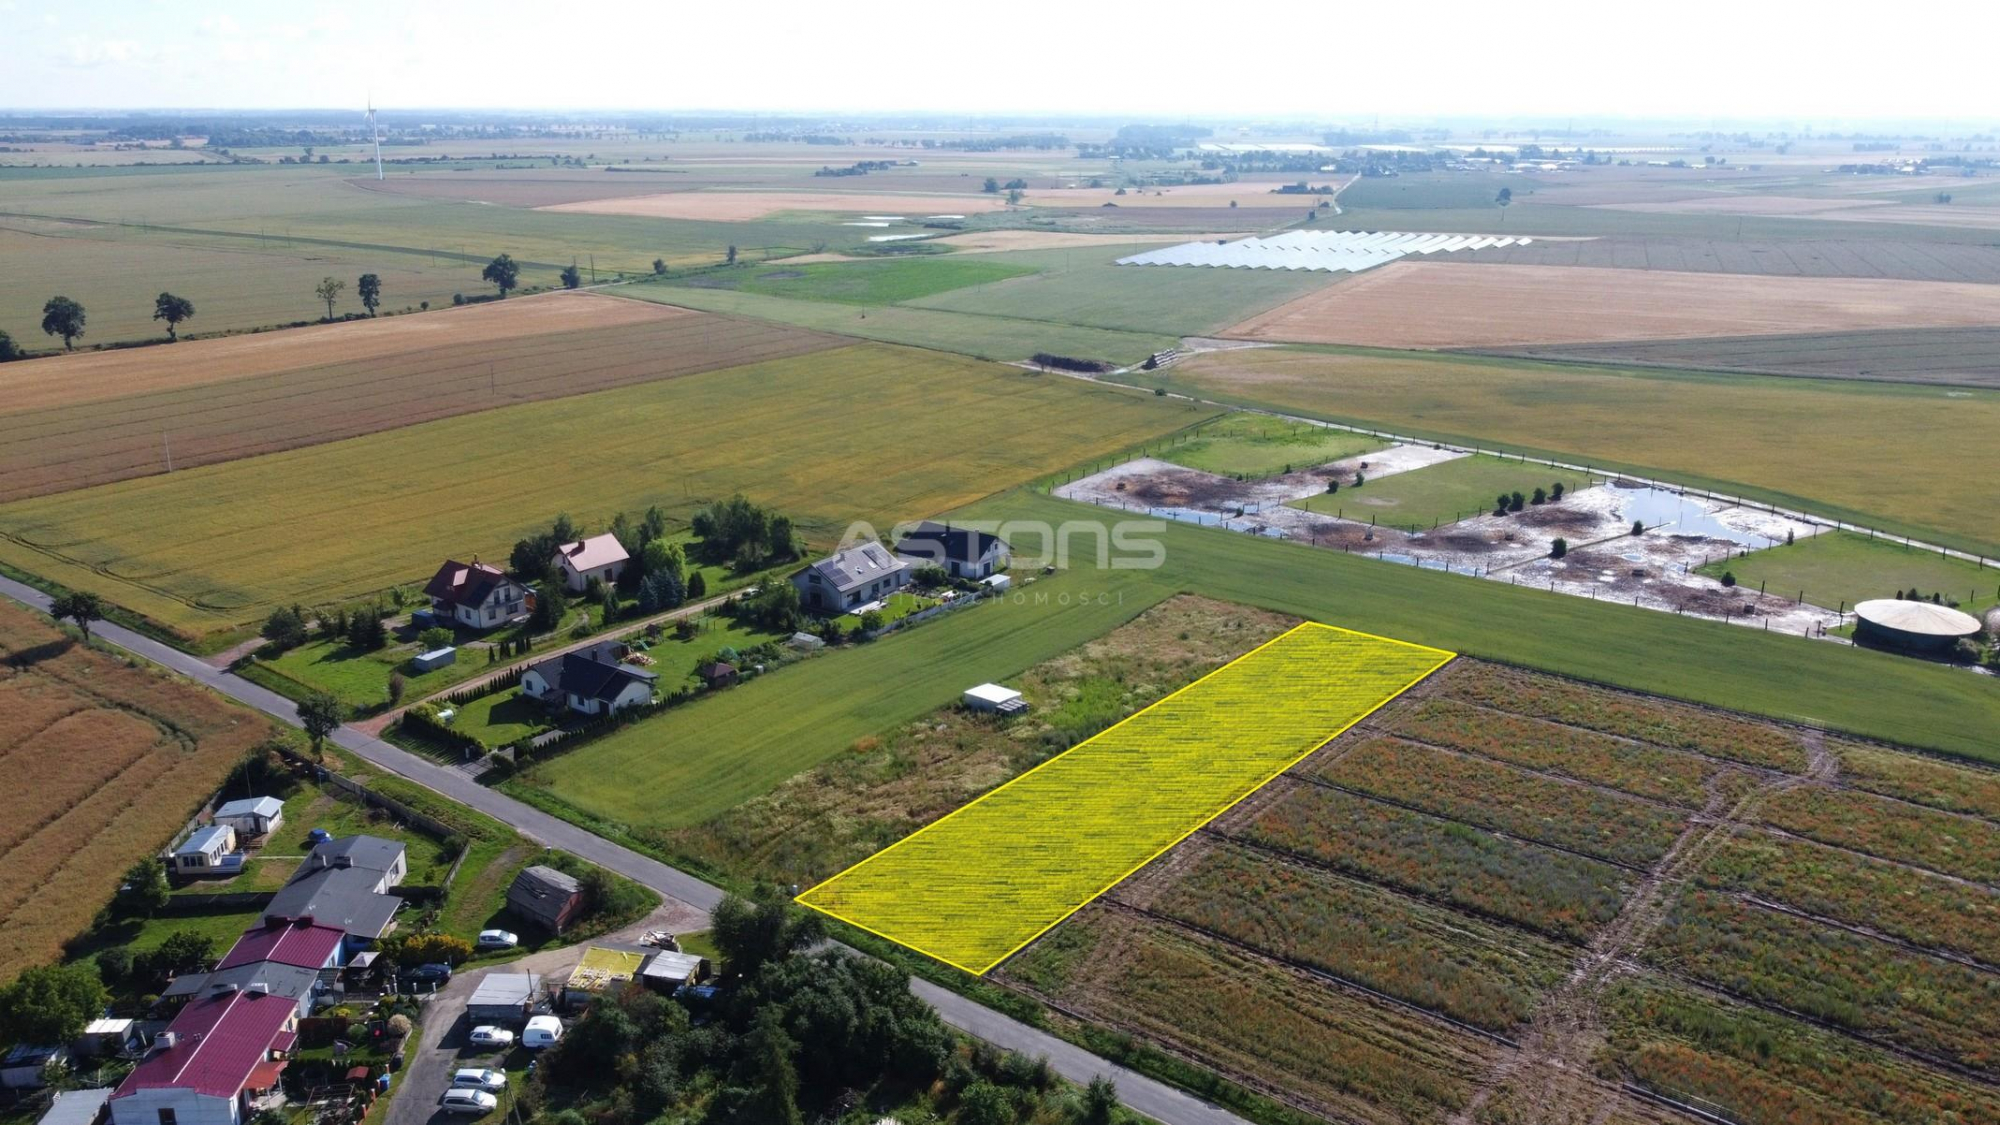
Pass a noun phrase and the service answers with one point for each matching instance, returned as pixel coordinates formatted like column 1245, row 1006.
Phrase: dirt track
column 743, row 206
column 66, row 380
column 1446, row 305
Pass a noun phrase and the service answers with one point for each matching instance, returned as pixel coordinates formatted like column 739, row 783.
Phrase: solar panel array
column 1337, row 251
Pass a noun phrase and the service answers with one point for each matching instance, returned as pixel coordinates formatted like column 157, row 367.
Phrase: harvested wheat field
column 1453, row 305
column 409, row 370
column 104, row 761
column 1244, row 193
column 743, row 206
column 64, row 380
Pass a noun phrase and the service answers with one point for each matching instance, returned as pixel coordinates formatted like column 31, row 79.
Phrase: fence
column 429, row 825
column 196, row 904
column 923, row 615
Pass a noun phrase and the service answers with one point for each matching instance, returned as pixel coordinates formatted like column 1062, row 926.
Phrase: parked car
column 487, row 1035
column 498, row 939
column 479, row 1078
column 467, row 1101
column 542, row 1031
column 436, row 972
column 319, row 836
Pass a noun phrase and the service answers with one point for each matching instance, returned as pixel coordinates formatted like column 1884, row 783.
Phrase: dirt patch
column 1444, row 305
column 65, row 380
column 744, row 206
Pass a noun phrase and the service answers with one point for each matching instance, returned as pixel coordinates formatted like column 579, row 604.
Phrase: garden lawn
column 1836, row 569
column 1441, row 493
column 360, row 680
column 1256, row 445
column 895, row 607
column 501, row 718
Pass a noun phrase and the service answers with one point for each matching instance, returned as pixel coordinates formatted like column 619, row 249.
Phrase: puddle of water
column 864, row 224
column 1680, row 515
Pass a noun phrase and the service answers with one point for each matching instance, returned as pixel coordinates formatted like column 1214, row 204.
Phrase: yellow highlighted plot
column 978, row 884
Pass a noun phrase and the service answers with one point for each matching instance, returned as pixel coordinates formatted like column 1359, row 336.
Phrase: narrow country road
column 1155, row 1099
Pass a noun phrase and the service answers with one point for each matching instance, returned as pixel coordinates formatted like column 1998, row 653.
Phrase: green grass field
column 987, row 337
column 866, row 433
column 1254, row 445
column 1839, row 568
column 729, row 747
column 1085, row 287
column 862, row 283
column 1446, row 493
column 1837, row 447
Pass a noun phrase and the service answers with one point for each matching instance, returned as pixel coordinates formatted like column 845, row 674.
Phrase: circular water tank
column 1915, row 625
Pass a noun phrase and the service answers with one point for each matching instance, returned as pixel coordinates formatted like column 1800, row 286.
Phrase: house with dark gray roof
column 387, row 858
column 342, row 897
column 476, row 595
column 962, row 552
column 849, row 579
column 590, row 681
column 546, row 897
column 293, row 982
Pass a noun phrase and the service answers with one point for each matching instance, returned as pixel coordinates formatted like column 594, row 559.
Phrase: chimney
column 165, row 1040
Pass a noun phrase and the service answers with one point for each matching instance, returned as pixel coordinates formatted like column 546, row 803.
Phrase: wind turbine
column 375, row 128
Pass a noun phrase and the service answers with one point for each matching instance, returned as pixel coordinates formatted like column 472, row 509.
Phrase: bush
column 1728, row 579
column 1559, row 548
column 424, row 949
column 435, row 638
column 1638, row 527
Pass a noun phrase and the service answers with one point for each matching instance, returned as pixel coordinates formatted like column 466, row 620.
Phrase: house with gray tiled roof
column 849, row 579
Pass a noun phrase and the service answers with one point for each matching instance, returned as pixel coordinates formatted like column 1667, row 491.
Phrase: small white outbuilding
column 994, row 698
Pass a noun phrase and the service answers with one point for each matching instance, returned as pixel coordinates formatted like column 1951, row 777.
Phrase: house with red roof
column 476, row 595
column 288, row 941
column 213, row 1064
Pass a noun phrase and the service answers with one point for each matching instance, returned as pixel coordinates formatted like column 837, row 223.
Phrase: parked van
column 542, row 1031
column 479, row 1078
column 468, row 1101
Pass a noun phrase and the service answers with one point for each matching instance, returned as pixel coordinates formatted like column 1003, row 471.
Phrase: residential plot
column 1421, row 499
column 1459, row 305
column 1839, row 569
column 110, row 416
column 105, row 760
column 975, row 886
column 191, row 549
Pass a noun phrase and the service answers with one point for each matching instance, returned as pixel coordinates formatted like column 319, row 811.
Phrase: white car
column 497, row 939
column 479, row 1078
column 542, row 1031
column 486, row 1035
column 468, row 1101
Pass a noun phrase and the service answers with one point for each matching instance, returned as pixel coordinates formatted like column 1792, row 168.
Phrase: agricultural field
column 1838, row 569
column 1456, row 305
column 1423, row 498
column 741, row 206
column 107, row 760
column 1955, row 357
column 96, row 418
column 885, row 787
column 1252, row 446
column 1832, row 446
column 1941, row 785
column 1887, row 259
column 974, row 886
column 189, row 549
column 1950, row 843
column 1453, row 916
column 859, row 283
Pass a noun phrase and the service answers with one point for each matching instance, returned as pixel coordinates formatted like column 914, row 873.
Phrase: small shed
column 207, row 851
column 505, row 998
column 717, row 674
column 994, row 698
column 667, row 970
column 545, row 897
column 434, row 659
column 996, row 582
column 108, row 1038
column 252, row 816
column 76, row 1107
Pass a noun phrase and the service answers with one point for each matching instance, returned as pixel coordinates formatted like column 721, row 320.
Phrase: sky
column 1821, row 64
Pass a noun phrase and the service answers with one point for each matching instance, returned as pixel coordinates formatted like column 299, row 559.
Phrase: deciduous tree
column 369, row 289
column 320, row 715
column 63, row 317
column 80, row 606
column 503, row 273
column 328, row 290
column 173, row 310
column 51, row 1004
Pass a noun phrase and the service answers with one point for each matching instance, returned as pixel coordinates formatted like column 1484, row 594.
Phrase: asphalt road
column 1155, row 1099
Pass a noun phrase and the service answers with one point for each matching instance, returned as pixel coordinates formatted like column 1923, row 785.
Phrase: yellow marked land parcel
column 986, row 879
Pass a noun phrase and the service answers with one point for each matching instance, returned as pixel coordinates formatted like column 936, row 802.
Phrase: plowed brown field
column 1448, row 305
column 206, row 401
column 743, row 206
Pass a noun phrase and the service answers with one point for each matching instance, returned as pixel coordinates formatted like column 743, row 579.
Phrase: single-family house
column 342, row 897
column 850, row 578
column 476, row 595
column 546, row 897
column 590, row 681
column 301, row 942
column 208, row 851
column 505, row 998
column 76, row 1107
column 252, row 816
column 962, row 552
column 293, row 982
column 601, row 557
column 387, row 858
column 213, row 1065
